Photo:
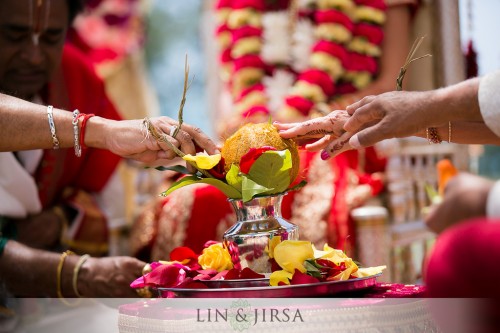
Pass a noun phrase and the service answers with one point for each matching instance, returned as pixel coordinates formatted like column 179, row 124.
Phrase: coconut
column 256, row 136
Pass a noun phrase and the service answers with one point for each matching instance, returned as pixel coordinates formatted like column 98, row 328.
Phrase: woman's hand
column 109, row 277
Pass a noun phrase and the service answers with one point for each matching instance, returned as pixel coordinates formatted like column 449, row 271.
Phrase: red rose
column 373, row 33
column 251, row 111
column 244, row 32
column 181, row 253
column 333, row 16
column 379, row 4
column 223, row 4
column 319, row 77
column 246, row 91
column 222, row 28
column 302, row 104
column 258, row 5
column 302, row 278
column 346, row 88
column 251, row 156
column 249, row 60
column 360, row 63
column 225, row 56
column 332, row 49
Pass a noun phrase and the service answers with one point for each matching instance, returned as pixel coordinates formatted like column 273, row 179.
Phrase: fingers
column 201, row 139
column 337, row 146
column 354, row 106
column 362, row 113
column 321, row 143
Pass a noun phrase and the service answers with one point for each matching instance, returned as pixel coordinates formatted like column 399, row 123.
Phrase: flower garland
column 269, row 69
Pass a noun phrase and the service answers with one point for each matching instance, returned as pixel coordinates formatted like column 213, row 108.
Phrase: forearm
column 458, row 102
column 25, row 126
column 29, row 272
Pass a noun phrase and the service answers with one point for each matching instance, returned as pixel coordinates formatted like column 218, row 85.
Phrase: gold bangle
column 432, row 135
column 76, row 270
column 449, row 131
column 59, row 276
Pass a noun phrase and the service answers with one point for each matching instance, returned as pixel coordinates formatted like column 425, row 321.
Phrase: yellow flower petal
column 203, row 161
column 369, row 271
column 272, row 245
column 280, row 276
column 215, row 257
column 290, row 255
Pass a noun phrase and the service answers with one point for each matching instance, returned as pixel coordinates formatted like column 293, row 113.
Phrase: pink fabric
column 464, row 262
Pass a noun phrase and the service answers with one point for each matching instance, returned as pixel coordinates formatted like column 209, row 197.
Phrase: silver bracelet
column 52, row 125
column 76, row 132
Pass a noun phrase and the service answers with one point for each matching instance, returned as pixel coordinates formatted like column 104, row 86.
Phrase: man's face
column 32, row 35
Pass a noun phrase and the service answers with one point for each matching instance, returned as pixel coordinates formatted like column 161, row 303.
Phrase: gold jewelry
column 58, row 278
column 432, row 135
column 76, row 270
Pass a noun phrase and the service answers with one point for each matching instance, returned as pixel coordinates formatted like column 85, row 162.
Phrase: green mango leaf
column 228, row 190
column 233, row 177
column 271, row 170
column 251, row 188
column 177, row 168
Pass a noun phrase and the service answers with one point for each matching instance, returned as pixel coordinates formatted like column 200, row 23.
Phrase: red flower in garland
column 249, row 90
column 360, row 62
column 254, row 4
column 223, row 4
column 321, row 78
column 302, row 104
column 248, row 61
column 245, row 32
column 255, row 109
column 332, row 49
column 334, row 16
column 373, row 33
column 378, row 4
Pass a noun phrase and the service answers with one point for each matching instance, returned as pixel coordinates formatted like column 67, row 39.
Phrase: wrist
column 84, row 278
column 95, row 132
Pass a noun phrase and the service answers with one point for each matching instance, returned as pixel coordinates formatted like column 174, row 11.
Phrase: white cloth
column 18, row 191
column 489, row 101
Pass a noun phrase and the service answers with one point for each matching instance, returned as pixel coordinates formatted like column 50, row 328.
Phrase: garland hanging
column 291, row 58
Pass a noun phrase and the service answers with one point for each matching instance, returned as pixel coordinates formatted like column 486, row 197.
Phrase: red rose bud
column 319, row 77
column 361, row 63
column 333, row 16
column 245, row 32
column 332, row 49
column 225, row 56
column 302, row 104
column 255, row 109
column 258, row 5
column 223, row 4
column 218, row 171
column 373, row 33
column 251, row 156
column 379, row 4
column 250, row 60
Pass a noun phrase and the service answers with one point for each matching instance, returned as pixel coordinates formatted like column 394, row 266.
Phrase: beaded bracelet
column 52, row 125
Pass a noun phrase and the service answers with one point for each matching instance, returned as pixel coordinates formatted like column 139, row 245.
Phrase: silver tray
column 300, row 290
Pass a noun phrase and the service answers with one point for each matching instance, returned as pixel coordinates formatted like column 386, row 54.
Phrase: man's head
column 32, row 34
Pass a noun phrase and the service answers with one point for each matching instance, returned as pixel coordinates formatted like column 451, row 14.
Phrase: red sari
column 63, row 178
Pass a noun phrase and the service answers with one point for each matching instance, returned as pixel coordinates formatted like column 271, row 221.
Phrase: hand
column 325, row 129
column 394, row 114
column 109, row 277
column 129, row 138
column 464, row 198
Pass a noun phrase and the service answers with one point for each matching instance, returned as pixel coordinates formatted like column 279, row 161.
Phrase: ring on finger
column 173, row 131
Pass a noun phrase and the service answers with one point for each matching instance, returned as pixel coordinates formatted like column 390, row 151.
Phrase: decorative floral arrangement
column 291, row 58
column 293, row 262
column 255, row 161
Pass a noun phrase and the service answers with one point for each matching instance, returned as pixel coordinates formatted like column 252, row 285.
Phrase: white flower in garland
column 306, row 3
column 278, row 86
column 303, row 41
column 276, row 37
